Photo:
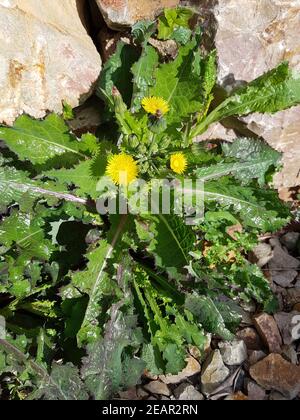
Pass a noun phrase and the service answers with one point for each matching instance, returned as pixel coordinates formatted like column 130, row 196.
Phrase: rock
column 88, row 117
column 239, row 396
column 46, row 56
column 233, row 353
column 263, row 253
column 187, row 392
column 130, row 394
column 285, row 324
column 214, row 373
column 276, row 374
column 290, row 354
column 193, row 367
column 250, row 338
column 290, row 240
column 217, row 132
column 158, row 387
column 284, row 278
column 255, row 392
column 269, row 332
column 256, row 356
column 251, row 40
column 293, row 296
column 141, row 393
column 124, row 13
column 281, row 259
column 276, row 396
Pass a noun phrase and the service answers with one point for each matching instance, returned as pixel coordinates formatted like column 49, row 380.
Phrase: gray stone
column 187, row 392
column 290, row 240
column 158, row 387
column 214, row 373
column 264, row 253
column 285, row 324
column 233, row 353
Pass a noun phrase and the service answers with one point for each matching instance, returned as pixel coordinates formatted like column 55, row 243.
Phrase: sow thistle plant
column 92, row 300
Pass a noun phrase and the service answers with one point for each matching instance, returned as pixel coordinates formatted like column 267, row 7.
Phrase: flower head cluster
column 179, row 163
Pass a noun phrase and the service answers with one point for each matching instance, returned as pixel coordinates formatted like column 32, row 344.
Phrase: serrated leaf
column 258, row 209
column 15, row 184
column 143, row 30
column 255, row 159
column 178, row 84
column 172, row 20
column 26, row 233
column 170, row 240
column 117, row 73
column 143, row 72
column 80, row 176
column 206, row 312
column 108, row 368
column 277, row 90
column 96, row 281
column 64, row 384
column 41, row 142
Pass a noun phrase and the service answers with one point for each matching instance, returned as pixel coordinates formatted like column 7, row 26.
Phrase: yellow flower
column 179, row 163
column 156, row 106
column 122, row 169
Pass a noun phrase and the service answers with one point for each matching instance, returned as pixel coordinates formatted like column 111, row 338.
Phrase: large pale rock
column 46, row 56
column 251, row 40
column 123, row 13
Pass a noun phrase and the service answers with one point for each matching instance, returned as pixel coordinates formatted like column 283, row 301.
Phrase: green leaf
column 255, row 159
column 96, row 281
column 117, row 73
column 178, row 84
column 43, row 142
column 80, row 176
column 64, row 384
column 170, row 240
column 277, row 90
column 108, row 367
column 258, row 209
column 172, row 20
column 207, row 313
column 25, row 232
column 143, row 30
column 143, row 72
column 15, row 184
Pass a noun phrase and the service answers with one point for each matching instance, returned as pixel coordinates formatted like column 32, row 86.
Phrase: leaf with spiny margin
column 255, row 158
column 172, row 20
column 143, row 30
column 109, row 367
column 26, row 233
column 80, row 176
column 276, row 90
column 178, row 84
column 64, row 384
column 46, row 142
column 170, row 240
column 207, row 313
column 96, row 280
column 143, row 72
column 15, row 184
column 117, row 73
column 257, row 208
